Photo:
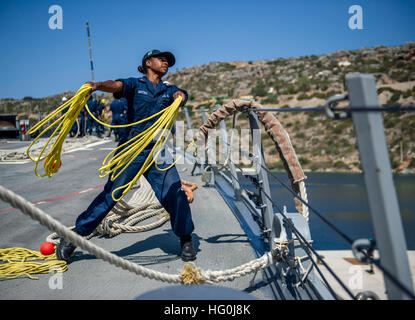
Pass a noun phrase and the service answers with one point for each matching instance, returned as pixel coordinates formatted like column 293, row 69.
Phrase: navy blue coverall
column 99, row 127
column 123, row 132
column 82, row 121
column 118, row 106
column 90, row 122
column 143, row 100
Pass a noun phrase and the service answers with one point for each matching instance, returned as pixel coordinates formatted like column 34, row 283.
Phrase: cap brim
column 171, row 60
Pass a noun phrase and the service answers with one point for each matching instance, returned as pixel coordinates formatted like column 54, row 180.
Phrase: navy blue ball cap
column 171, row 60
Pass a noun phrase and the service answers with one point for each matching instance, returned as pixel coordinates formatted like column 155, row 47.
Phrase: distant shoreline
column 347, row 172
column 333, row 172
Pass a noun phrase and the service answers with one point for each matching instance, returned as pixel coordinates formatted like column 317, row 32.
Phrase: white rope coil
column 207, row 276
column 124, row 217
column 240, row 271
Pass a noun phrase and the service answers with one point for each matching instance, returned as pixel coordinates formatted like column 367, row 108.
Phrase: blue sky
column 38, row 61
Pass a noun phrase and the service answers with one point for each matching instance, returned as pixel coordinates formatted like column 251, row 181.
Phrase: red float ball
column 47, row 248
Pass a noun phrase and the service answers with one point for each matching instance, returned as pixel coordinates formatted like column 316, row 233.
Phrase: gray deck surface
column 218, row 237
column 355, row 275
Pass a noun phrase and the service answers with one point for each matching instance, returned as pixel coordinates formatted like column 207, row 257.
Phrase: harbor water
column 341, row 198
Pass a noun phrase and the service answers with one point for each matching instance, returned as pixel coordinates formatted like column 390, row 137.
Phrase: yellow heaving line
column 123, row 155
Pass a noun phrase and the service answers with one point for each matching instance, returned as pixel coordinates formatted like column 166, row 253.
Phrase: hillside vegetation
column 321, row 144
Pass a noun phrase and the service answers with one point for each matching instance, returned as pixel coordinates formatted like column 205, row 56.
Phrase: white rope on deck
column 202, row 276
column 124, row 217
column 303, row 195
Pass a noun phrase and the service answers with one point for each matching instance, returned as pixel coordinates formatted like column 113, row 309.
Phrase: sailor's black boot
column 64, row 250
column 188, row 250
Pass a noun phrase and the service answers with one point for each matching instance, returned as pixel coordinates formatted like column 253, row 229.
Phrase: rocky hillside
column 321, row 144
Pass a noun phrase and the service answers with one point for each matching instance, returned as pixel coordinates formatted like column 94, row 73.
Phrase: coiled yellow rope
column 127, row 151
column 18, row 258
column 20, row 261
column 64, row 124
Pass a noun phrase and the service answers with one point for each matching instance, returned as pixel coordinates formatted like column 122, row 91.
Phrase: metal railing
column 389, row 234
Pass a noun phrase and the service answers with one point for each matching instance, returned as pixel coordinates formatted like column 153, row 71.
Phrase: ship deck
column 219, row 239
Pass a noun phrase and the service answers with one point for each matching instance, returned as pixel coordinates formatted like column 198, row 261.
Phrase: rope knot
column 191, row 275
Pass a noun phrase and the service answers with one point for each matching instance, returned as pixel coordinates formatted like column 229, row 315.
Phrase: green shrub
column 303, row 96
column 303, row 84
column 259, row 90
column 309, row 123
column 300, row 135
column 271, row 98
column 291, row 89
column 380, row 90
column 223, row 67
column 320, row 95
column 400, row 76
column 340, row 165
column 277, row 165
column 395, row 97
column 273, row 151
column 304, row 161
column 340, row 127
column 319, row 165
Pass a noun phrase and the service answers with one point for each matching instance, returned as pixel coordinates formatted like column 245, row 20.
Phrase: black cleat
column 64, row 250
column 188, row 250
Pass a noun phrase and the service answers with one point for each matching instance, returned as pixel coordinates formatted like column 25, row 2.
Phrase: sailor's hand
column 179, row 93
column 94, row 86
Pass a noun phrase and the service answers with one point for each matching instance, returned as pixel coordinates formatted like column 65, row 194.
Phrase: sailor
column 64, row 99
column 74, row 127
column 81, row 119
column 123, row 132
column 107, row 118
column 99, row 127
column 145, row 96
column 116, row 108
column 92, row 106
